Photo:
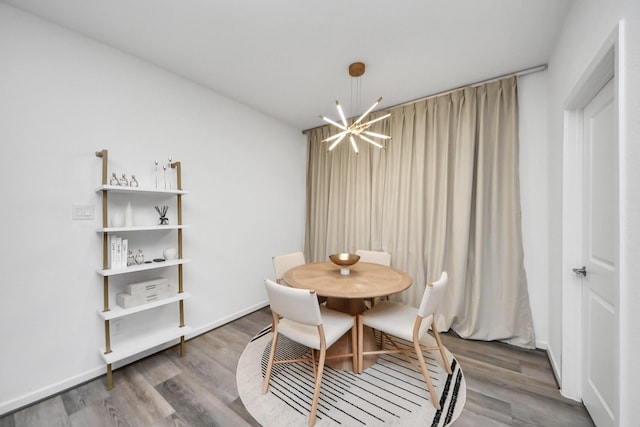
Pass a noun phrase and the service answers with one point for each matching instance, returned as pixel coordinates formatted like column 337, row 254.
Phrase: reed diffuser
column 163, row 214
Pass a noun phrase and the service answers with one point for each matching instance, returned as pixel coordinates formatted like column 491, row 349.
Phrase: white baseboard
column 210, row 326
column 555, row 367
column 53, row 389
column 542, row 345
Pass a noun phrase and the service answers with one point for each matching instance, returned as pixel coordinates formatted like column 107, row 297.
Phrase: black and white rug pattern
column 391, row 392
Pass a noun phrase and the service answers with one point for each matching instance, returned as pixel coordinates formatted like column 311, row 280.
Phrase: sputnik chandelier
column 358, row 128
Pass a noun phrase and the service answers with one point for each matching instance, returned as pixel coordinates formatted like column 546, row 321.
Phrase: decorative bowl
column 344, row 260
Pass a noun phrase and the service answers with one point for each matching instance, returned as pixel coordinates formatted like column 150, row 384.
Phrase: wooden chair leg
column 313, row 362
column 425, row 373
column 360, row 343
column 316, row 392
column 355, row 347
column 272, row 355
column 447, row 366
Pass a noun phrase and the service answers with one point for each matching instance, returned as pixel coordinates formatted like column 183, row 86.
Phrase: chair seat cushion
column 335, row 325
column 395, row 319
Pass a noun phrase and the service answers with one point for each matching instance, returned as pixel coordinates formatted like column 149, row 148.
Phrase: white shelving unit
column 128, row 346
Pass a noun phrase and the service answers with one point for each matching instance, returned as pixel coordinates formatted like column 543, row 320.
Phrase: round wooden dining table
column 347, row 293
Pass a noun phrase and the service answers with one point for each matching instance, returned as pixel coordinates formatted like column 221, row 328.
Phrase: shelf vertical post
column 109, row 377
column 105, row 294
column 178, row 168
column 107, row 336
column 104, row 155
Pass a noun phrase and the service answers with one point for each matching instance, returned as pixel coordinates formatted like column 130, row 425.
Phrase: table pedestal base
column 343, row 345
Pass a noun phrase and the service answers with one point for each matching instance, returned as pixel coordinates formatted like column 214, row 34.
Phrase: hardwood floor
column 506, row 386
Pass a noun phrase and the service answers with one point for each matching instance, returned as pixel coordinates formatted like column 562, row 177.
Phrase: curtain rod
column 519, row 73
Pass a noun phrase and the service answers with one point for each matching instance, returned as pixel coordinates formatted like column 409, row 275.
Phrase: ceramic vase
column 117, row 220
column 128, row 216
column 170, row 253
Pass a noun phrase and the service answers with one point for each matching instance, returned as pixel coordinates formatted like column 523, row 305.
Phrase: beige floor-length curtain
column 444, row 195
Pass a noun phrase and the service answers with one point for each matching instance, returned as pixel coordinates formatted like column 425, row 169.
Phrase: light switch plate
column 82, row 211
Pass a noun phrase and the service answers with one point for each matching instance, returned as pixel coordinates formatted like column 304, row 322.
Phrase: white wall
column 532, row 106
column 64, row 97
column 587, row 27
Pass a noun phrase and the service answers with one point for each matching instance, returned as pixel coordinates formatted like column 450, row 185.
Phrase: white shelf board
column 127, row 348
column 139, row 190
column 142, row 267
column 117, row 311
column 140, row 228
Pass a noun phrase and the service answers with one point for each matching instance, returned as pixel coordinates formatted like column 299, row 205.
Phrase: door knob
column 581, row 271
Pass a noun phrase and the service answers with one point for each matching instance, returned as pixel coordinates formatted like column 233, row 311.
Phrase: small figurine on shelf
column 133, row 182
column 131, row 260
column 164, row 168
column 139, row 257
column 156, row 163
column 114, row 179
column 124, row 181
column 163, row 214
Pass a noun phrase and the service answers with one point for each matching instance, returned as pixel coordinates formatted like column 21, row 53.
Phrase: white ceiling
column 289, row 58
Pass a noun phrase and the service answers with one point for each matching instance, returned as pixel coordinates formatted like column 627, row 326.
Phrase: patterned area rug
column 391, row 392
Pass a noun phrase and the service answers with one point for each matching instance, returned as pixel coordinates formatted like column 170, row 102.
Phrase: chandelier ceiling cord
column 358, row 128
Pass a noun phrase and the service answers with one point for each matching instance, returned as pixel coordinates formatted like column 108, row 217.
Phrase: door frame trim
column 602, row 68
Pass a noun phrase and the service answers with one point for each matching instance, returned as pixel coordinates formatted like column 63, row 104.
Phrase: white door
column 600, row 255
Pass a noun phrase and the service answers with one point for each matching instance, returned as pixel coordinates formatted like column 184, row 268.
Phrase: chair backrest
column 298, row 305
column 374, row 257
column 433, row 296
column 284, row 263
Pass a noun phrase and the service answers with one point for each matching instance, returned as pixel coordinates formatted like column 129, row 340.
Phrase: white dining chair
column 284, row 263
column 298, row 316
column 374, row 257
column 410, row 324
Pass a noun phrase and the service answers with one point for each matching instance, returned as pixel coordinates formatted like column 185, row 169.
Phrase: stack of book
column 145, row 292
column 119, row 249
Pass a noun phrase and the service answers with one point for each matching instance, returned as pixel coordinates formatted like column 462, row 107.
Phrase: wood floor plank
column 133, row 392
column 238, row 407
column 84, row 395
column 215, row 377
column 50, row 412
column 225, row 352
column 472, row 419
column 159, row 368
column 99, row 414
column 487, row 408
column 487, row 374
column 173, row 420
column 7, row 421
column 196, row 405
column 254, row 322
